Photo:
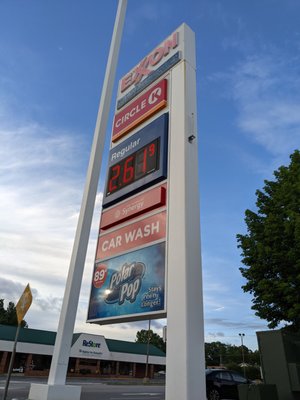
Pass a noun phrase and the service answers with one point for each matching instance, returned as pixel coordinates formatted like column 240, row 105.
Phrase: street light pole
column 242, row 335
column 146, row 379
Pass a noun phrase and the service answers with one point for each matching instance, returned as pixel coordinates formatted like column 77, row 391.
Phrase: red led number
column 113, row 180
column 151, row 149
column 128, row 172
column 134, row 167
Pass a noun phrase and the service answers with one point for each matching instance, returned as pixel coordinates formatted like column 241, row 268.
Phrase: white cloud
column 10, row 290
column 215, row 336
column 266, row 89
column 40, row 194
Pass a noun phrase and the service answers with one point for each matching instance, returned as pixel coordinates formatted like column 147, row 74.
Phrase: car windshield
column 211, row 370
column 238, row 378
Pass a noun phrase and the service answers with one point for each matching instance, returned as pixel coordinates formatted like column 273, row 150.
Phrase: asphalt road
column 91, row 389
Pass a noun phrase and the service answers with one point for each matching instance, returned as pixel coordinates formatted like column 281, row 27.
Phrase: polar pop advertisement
column 129, row 286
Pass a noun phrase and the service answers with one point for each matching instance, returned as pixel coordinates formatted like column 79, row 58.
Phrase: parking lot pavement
column 92, row 389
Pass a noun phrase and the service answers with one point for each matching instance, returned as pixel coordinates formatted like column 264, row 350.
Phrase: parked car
column 223, row 384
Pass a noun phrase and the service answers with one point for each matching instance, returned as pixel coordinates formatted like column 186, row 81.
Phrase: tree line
column 8, row 315
column 217, row 354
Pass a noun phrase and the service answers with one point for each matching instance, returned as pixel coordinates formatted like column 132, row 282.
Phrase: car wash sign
column 130, row 269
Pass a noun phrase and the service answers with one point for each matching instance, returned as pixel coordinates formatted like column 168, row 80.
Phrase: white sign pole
column 185, row 374
column 56, row 389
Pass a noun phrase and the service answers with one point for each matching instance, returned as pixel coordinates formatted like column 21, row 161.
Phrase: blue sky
column 52, row 63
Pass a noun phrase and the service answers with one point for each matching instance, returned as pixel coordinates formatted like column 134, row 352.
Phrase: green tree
column 254, row 357
column 217, row 353
column 8, row 316
column 230, row 357
column 271, row 248
column 154, row 338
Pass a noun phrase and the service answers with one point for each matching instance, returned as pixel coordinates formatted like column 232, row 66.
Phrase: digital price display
column 134, row 167
column 138, row 162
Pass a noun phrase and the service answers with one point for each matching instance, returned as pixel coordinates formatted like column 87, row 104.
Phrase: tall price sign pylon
column 185, row 375
column 148, row 258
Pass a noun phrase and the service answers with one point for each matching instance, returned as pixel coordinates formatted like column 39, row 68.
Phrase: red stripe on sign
column 141, row 109
column 137, row 234
column 133, row 207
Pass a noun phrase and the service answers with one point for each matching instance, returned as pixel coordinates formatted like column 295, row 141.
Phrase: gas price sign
column 137, row 162
column 134, row 167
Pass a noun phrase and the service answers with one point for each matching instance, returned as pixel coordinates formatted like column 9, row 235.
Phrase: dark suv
column 223, row 384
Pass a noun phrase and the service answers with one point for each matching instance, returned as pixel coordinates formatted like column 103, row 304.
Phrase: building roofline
column 38, row 336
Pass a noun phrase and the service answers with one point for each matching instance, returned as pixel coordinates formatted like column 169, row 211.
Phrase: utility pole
column 146, row 379
column 242, row 335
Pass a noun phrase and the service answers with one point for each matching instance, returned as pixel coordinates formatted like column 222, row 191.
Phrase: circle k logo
column 154, row 95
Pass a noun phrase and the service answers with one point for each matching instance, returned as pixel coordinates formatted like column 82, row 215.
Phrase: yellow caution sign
column 24, row 303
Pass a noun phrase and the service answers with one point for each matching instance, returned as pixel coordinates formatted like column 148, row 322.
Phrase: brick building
column 90, row 354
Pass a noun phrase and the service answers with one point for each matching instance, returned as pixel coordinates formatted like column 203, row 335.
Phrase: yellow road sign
column 24, row 303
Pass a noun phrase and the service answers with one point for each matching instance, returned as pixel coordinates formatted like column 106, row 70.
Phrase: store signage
column 150, row 62
column 133, row 287
column 90, row 343
column 151, row 68
column 156, row 74
column 90, row 346
column 136, row 234
column 129, row 275
column 141, row 109
column 135, row 206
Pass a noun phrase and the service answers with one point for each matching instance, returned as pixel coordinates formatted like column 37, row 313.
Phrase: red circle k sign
column 141, row 109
